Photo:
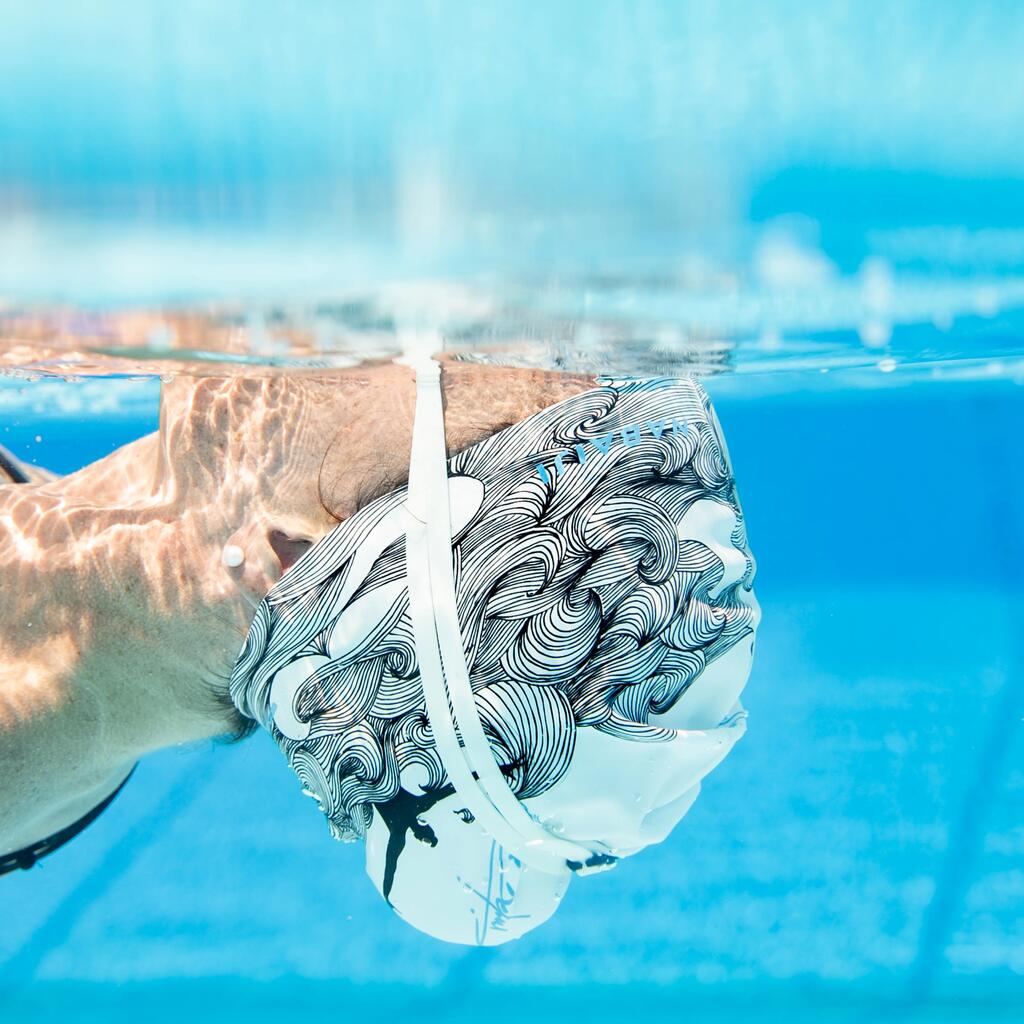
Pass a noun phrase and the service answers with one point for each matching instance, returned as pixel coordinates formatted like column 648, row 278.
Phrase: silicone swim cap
column 552, row 706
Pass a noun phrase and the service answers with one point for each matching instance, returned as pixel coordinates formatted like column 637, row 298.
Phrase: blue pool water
column 860, row 855
column 818, row 209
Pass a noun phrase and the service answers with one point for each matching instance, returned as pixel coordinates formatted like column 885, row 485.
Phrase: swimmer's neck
column 96, row 667
column 120, row 625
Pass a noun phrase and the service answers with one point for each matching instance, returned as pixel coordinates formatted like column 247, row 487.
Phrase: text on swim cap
column 631, row 435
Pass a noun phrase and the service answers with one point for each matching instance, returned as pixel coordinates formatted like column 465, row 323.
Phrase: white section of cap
column 628, row 794
column 712, row 523
column 714, row 693
column 467, row 889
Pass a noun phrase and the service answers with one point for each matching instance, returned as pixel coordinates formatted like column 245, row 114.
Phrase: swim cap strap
column 451, row 709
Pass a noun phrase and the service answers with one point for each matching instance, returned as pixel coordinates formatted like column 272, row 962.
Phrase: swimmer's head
column 604, row 595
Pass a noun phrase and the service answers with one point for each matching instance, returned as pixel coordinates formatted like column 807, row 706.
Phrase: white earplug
column 232, row 556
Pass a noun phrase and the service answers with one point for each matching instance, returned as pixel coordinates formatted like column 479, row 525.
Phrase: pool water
column 818, row 210
column 859, row 856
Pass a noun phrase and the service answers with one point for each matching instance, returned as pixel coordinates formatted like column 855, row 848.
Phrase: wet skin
column 120, row 623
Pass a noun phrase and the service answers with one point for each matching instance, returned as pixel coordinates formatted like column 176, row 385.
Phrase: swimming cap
column 549, row 702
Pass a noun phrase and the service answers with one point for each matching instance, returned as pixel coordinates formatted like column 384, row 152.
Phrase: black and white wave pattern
column 580, row 606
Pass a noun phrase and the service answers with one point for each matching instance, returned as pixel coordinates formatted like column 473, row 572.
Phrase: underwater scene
column 753, row 276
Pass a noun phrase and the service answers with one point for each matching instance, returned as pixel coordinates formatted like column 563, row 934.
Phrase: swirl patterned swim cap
column 604, row 593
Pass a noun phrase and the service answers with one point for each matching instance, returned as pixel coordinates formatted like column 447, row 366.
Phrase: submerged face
column 604, row 592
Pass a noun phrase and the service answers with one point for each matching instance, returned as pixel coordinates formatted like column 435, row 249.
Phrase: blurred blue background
column 813, row 178
column 155, row 150
column 858, row 856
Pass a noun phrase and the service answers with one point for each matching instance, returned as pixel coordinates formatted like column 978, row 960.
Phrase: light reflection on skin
column 119, row 620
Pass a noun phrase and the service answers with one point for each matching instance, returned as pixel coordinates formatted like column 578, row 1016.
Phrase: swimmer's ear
column 288, row 548
column 256, row 556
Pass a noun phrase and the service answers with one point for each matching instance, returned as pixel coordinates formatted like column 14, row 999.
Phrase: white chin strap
column 451, row 709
